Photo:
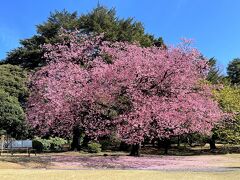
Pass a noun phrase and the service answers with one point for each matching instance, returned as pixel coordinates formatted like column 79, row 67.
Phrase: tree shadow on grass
column 190, row 151
column 152, row 157
column 28, row 162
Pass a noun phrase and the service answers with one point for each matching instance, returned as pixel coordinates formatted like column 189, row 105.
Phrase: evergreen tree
column 13, row 81
column 13, row 93
column 233, row 71
column 214, row 74
column 12, row 116
column 100, row 20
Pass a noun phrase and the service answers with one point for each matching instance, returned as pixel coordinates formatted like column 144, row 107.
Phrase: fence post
column 2, row 143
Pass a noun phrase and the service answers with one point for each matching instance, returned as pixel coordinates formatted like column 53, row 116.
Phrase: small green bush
column 51, row 144
column 56, row 144
column 110, row 143
column 37, row 145
column 41, row 144
column 94, row 147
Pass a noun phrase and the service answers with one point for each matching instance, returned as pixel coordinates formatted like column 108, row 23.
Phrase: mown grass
column 40, row 167
column 76, row 160
column 113, row 174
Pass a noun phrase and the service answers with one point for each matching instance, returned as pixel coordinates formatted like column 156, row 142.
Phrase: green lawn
column 44, row 167
column 33, row 174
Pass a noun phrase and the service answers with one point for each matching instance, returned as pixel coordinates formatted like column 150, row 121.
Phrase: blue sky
column 213, row 24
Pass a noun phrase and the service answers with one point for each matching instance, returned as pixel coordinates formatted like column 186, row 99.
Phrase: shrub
column 94, row 147
column 53, row 144
column 110, row 143
column 37, row 145
column 41, row 144
column 56, row 144
column 195, row 139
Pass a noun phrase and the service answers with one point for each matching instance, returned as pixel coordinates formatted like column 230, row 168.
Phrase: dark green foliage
column 12, row 117
column 37, row 145
column 102, row 20
column 3, row 132
column 49, row 29
column 110, row 142
column 26, row 56
column 99, row 20
column 158, row 42
column 13, row 81
column 30, row 55
column 214, row 74
column 13, row 93
column 195, row 139
column 94, row 147
column 233, row 71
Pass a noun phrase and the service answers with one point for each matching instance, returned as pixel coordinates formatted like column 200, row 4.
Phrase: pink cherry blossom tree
column 135, row 92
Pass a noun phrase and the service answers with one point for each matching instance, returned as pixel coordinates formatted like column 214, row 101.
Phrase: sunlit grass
column 12, row 168
column 74, row 160
column 112, row 174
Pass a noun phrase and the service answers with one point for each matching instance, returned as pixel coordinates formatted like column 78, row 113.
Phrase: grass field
column 78, row 161
column 112, row 175
column 74, row 165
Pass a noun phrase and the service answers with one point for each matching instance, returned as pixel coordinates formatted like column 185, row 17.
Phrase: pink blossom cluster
column 135, row 92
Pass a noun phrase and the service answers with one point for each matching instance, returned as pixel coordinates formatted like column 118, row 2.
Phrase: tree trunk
column 178, row 142
column 75, row 146
column 159, row 143
column 86, row 140
column 153, row 143
column 166, row 145
column 135, row 151
column 144, row 142
column 212, row 143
